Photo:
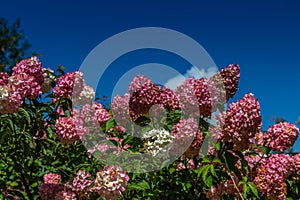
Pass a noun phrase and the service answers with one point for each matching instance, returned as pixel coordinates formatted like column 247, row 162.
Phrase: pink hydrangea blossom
column 120, row 109
column 3, row 78
column 68, row 130
column 187, row 98
column 296, row 163
column 271, row 176
column 185, row 132
column 144, row 94
column 169, row 99
column 206, row 96
column 138, row 83
column 52, row 178
column 240, row 122
column 102, row 115
column 25, row 85
column 31, row 67
column 81, row 184
column 10, row 100
column 231, row 77
column 282, row 136
column 69, row 85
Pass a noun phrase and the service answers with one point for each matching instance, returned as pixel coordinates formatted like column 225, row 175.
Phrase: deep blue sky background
column 262, row 36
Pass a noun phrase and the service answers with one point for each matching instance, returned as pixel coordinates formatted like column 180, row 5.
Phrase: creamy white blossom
column 157, row 141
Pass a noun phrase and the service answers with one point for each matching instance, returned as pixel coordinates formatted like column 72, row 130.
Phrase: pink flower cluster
column 26, row 82
column 110, row 182
column 3, row 78
column 69, row 85
column 10, row 99
column 52, row 178
column 144, row 94
column 51, row 187
column 231, row 77
column 240, row 122
column 206, row 95
column 101, row 114
column 296, row 163
column 81, row 184
column 120, row 109
column 187, row 98
column 185, row 132
column 81, row 122
column 31, row 67
column 271, row 176
column 282, row 136
column 68, row 130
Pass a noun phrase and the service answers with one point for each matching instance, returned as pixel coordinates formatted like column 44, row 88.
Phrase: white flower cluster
column 86, row 96
column 110, row 182
column 3, row 93
column 49, row 78
column 157, row 141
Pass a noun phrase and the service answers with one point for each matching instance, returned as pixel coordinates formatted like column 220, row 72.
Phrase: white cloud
column 176, row 81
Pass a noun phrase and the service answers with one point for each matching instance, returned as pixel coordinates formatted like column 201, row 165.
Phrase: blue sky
column 263, row 37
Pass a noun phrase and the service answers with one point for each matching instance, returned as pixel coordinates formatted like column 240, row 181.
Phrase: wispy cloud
column 195, row 72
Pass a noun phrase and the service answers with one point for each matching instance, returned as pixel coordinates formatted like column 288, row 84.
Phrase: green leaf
column 206, row 159
column 245, row 187
column 209, row 181
column 13, row 184
column 109, row 124
column 143, row 185
column 143, row 120
column 216, row 160
column 212, row 170
column 172, row 170
column 205, row 170
column 253, row 188
column 11, row 124
column 218, row 146
column 24, row 113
